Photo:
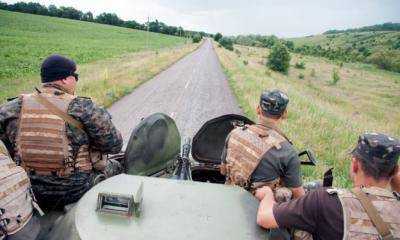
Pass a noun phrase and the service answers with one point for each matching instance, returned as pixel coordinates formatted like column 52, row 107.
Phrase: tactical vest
column 357, row 223
column 42, row 143
column 16, row 206
column 245, row 148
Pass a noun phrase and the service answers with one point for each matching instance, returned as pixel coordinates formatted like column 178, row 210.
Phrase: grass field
column 324, row 117
column 25, row 40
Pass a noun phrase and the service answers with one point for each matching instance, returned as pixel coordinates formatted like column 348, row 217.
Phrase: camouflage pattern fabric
column 274, row 102
column 100, row 134
column 357, row 224
column 16, row 201
column 245, row 148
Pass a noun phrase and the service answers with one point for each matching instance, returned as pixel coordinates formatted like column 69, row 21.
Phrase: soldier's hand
column 262, row 192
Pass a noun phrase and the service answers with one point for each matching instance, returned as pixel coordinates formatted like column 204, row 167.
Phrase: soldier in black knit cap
column 60, row 139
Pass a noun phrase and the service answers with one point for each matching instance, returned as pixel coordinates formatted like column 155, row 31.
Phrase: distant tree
column 226, row 43
column 3, row 6
column 196, row 38
column 279, row 58
column 289, row 44
column 54, row 11
column 154, row 26
column 88, row 16
column 269, row 41
column 70, row 12
column 109, row 18
column 217, row 36
column 132, row 24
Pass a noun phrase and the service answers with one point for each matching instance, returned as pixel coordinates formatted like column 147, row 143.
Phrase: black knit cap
column 56, row 67
column 378, row 147
column 273, row 103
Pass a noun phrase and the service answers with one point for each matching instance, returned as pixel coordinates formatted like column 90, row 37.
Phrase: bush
column 217, row 37
column 196, row 38
column 301, row 76
column 312, row 72
column 238, row 52
column 226, row 43
column 385, row 59
column 300, row 65
column 335, row 77
column 279, row 58
column 245, row 62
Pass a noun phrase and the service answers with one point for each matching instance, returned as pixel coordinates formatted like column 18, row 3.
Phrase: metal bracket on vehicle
column 311, row 158
column 121, row 204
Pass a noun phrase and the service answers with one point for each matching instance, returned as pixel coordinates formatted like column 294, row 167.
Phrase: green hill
column 379, row 48
column 370, row 40
column 25, row 40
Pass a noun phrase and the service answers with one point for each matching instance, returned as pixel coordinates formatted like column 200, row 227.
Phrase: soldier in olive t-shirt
column 260, row 154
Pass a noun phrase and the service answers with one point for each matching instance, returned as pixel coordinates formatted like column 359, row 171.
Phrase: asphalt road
column 191, row 91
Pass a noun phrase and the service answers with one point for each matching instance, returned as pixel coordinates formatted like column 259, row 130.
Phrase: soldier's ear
column 355, row 165
column 258, row 110
column 396, row 170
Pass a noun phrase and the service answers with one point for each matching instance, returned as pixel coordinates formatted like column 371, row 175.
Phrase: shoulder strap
column 56, row 111
column 382, row 227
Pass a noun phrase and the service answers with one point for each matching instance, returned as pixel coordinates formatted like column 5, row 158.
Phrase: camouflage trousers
column 53, row 192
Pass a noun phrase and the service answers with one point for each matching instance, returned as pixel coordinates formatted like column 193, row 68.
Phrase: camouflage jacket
column 101, row 134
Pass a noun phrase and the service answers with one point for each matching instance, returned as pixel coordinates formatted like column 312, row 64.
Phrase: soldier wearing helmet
column 367, row 211
column 260, row 154
column 59, row 139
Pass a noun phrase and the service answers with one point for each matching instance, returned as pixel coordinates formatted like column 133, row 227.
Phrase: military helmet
column 273, row 103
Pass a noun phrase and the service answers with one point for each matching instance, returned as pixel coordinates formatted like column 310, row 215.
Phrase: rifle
column 182, row 170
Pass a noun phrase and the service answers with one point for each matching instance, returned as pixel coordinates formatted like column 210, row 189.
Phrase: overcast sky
column 284, row 18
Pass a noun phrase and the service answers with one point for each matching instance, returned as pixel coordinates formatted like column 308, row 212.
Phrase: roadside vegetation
column 378, row 45
column 330, row 103
column 25, row 40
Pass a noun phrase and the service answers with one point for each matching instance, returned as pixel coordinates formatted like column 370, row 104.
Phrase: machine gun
column 182, row 170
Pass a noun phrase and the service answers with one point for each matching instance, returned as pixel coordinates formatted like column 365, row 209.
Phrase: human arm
column 103, row 135
column 298, row 192
column 9, row 114
column 265, row 216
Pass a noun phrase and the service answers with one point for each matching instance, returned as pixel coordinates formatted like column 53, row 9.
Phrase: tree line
column 389, row 26
column 104, row 18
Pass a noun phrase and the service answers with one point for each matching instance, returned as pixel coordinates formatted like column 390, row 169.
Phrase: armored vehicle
column 164, row 194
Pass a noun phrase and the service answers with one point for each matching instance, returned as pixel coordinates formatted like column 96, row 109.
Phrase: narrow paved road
column 191, row 91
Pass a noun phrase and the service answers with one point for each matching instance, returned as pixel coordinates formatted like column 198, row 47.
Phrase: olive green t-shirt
column 283, row 163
